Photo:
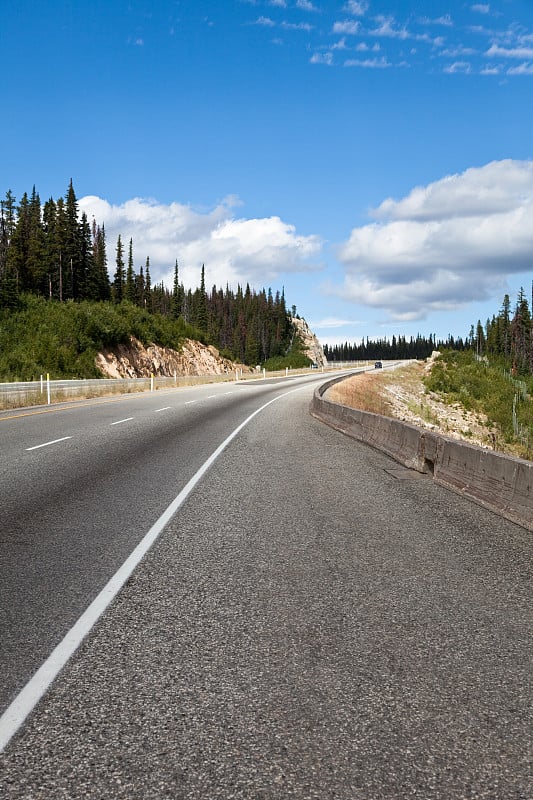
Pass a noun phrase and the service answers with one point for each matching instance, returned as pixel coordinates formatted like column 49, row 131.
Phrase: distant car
column 378, row 365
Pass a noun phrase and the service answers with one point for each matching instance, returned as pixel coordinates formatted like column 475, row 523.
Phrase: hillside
column 91, row 339
column 475, row 404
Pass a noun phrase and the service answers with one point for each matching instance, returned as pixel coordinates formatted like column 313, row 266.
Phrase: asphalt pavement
column 312, row 623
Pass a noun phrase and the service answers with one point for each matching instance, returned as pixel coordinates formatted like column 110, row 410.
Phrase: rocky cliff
column 136, row 361
column 312, row 347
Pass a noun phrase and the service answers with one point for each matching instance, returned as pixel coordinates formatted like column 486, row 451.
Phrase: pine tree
column 176, row 294
column 119, row 279
column 521, row 335
column 147, row 286
column 201, row 304
column 87, row 284
column 73, row 278
column 130, row 276
column 100, row 284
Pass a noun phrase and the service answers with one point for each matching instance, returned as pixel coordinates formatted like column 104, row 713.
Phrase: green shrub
column 41, row 336
column 482, row 387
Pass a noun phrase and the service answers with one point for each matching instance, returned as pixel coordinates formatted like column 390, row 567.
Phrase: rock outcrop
column 137, row 361
column 312, row 347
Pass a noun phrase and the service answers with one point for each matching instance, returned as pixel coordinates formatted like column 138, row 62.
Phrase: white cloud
column 445, row 20
column 458, row 66
column 386, row 28
column 279, row 3
column 445, row 244
column 334, row 322
column 234, row 250
column 349, row 27
column 523, row 69
column 515, row 52
column 265, row 21
column 358, row 9
column 297, row 26
column 305, row 5
column 481, row 8
column 322, row 58
column 455, row 52
column 340, row 45
column 368, row 63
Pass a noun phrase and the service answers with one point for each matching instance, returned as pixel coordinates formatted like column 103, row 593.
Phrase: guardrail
column 46, row 391
column 498, row 482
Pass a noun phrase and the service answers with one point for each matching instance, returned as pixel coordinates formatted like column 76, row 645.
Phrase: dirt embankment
column 401, row 394
column 134, row 360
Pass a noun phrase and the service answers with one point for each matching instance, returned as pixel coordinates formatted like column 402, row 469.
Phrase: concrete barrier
column 498, row 482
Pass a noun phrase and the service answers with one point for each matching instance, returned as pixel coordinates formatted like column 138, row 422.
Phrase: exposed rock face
column 312, row 346
column 136, row 361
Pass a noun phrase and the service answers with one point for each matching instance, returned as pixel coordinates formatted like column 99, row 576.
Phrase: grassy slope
column 484, row 387
column 63, row 338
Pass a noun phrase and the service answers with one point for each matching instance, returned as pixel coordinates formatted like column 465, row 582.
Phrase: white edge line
column 54, row 441
column 21, row 707
column 121, row 420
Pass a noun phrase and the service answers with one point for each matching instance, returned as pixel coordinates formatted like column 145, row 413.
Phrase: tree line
column 508, row 335
column 51, row 251
column 398, row 347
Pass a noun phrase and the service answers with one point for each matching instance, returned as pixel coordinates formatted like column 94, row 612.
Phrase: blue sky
column 374, row 158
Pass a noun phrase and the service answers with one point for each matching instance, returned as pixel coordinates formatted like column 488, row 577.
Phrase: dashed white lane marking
column 190, row 402
column 120, row 421
column 162, row 409
column 209, row 396
column 45, row 444
column 24, row 703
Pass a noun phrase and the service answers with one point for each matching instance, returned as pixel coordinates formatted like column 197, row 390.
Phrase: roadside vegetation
column 63, row 339
column 294, row 359
column 487, row 387
column 458, row 393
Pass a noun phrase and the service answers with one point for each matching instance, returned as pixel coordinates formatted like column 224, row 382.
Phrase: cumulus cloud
column 523, row 69
column 322, row 58
column 349, row 27
column 386, row 28
column 514, row 52
column 357, row 9
column 445, row 244
column 234, row 250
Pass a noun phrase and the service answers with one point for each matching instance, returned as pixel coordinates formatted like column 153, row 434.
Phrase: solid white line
column 120, row 421
column 162, row 409
column 24, row 703
column 54, row 441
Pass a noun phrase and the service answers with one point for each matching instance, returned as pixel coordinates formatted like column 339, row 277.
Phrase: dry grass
column 401, row 393
column 367, row 390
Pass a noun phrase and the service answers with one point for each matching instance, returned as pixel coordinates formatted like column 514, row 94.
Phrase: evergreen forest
column 50, row 251
column 506, row 338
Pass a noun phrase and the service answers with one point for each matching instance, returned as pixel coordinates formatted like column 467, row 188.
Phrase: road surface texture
column 314, row 621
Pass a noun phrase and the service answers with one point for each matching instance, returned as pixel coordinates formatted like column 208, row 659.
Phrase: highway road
column 311, row 620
